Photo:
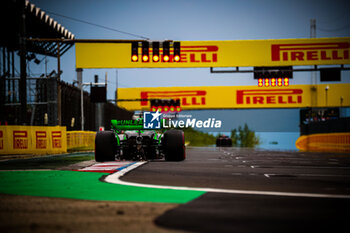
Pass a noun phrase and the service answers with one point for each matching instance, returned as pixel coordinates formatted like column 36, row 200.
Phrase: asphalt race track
column 266, row 191
column 213, row 190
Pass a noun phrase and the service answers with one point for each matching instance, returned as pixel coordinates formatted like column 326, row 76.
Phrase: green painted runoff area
column 86, row 186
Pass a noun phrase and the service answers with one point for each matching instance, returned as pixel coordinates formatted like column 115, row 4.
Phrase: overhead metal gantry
column 220, row 57
column 37, row 24
column 238, row 70
column 216, row 54
column 22, row 25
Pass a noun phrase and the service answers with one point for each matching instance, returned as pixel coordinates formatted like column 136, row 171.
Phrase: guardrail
column 327, row 142
column 80, row 140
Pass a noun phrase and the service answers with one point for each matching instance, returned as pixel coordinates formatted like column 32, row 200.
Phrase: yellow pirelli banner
column 282, row 52
column 239, row 97
column 80, row 140
column 32, row 140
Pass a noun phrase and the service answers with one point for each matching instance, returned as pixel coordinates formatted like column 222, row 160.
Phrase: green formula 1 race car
column 128, row 140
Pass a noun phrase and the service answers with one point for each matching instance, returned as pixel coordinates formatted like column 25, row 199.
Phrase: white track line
column 115, row 179
column 269, row 175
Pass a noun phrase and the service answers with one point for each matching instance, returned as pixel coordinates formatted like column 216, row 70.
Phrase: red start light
column 166, row 58
column 279, row 82
column 155, row 58
column 273, row 82
column 286, row 81
column 134, row 58
column 267, row 82
column 145, row 58
column 159, row 108
column 165, row 109
column 177, row 58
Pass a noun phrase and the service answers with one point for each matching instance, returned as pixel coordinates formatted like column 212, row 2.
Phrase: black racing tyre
column 218, row 142
column 105, row 145
column 174, row 145
column 229, row 142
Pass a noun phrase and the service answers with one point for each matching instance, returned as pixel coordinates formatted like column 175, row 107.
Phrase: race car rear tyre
column 174, row 145
column 105, row 144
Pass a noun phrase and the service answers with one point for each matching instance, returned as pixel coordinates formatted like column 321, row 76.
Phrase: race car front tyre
column 105, row 143
column 174, row 145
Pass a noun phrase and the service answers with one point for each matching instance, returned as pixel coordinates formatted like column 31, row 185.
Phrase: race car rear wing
column 130, row 124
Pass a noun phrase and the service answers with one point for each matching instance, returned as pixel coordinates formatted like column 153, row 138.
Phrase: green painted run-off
column 86, row 186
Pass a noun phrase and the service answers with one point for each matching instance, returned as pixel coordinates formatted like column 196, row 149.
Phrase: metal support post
column 23, row 64
column 80, row 84
column 116, row 87
column 59, row 94
column 98, row 112
column 313, row 73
